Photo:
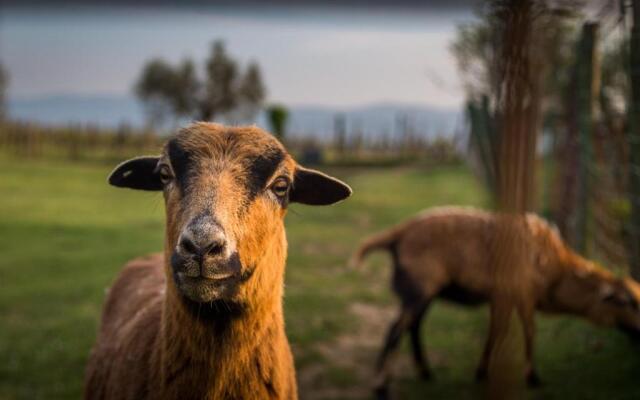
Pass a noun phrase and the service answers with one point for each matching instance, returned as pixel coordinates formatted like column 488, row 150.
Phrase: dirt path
column 351, row 353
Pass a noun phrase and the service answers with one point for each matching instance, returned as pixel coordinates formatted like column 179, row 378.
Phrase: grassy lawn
column 65, row 233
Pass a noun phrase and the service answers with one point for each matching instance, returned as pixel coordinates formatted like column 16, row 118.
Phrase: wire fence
column 76, row 143
column 608, row 198
column 90, row 143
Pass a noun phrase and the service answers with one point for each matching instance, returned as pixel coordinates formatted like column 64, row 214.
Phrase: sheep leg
column 419, row 355
column 528, row 325
column 383, row 365
column 482, row 372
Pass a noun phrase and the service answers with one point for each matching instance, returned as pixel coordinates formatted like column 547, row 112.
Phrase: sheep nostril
column 214, row 249
column 188, row 246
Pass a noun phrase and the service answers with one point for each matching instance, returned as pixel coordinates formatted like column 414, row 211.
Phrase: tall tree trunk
column 519, row 107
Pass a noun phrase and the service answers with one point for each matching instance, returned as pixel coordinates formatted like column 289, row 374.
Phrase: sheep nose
column 202, row 249
column 202, row 241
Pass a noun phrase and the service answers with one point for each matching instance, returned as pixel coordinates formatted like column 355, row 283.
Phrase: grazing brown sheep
column 444, row 253
column 205, row 320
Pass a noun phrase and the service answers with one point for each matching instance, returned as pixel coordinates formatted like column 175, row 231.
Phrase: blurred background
column 402, row 100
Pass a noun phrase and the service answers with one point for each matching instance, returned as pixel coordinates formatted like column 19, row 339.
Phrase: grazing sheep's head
column 624, row 303
column 608, row 300
column 600, row 296
column 226, row 192
column 588, row 287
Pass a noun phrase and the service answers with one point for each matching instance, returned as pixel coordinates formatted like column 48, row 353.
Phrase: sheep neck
column 217, row 350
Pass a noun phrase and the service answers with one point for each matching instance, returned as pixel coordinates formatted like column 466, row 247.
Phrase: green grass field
column 65, row 233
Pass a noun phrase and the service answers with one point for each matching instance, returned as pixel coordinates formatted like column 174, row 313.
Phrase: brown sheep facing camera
column 444, row 253
column 204, row 320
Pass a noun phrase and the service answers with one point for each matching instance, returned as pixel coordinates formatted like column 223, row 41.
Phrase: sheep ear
column 317, row 189
column 138, row 173
column 611, row 294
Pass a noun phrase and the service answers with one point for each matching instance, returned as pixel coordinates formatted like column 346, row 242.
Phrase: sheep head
column 226, row 193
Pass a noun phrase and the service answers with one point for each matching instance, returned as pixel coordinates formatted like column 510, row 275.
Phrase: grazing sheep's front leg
column 497, row 311
column 528, row 324
column 482, row 372
column 526, row 314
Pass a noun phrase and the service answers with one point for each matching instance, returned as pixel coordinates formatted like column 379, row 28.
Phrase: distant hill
column 376, row 120
column 107, row 111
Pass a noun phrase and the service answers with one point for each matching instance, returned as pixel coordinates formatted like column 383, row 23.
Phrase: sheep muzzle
column 202, row 280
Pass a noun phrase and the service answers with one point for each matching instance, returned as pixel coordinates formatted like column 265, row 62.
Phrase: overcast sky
column 331, row 57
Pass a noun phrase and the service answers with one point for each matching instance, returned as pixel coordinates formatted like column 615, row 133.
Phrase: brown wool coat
column 207, row 322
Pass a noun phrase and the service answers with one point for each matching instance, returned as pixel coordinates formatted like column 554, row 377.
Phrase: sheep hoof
column 426, row 375
column 382, row 392
column 481, row 374
column 533, row 380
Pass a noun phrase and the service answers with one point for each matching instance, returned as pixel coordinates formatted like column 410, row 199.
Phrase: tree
column 4, row 80
column 251, row 91
column 501, row 60
column 220, row 86
column 474, row 50
column 478, row 49
column 166, row 90
column 185, row 90
column 177, row 91
column 278, row 116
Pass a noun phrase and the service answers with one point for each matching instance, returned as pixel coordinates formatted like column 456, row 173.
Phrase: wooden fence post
column 588, row 93
column 634, row 143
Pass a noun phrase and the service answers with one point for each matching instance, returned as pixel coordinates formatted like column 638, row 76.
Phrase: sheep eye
column 280, row 187
column 165, row 174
